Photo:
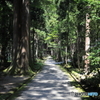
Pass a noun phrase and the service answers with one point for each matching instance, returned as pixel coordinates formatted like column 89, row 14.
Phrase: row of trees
column 65, row 29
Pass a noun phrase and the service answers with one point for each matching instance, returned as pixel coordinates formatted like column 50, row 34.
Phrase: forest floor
column 50, row 84
column 9, row 82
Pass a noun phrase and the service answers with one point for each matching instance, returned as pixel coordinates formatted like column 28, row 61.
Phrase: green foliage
column 38, row 65
column 94, row 56
column 41, row 34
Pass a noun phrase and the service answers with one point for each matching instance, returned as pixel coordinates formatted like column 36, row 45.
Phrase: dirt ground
column 9, row 82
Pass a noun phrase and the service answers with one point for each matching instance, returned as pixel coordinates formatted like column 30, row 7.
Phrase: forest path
column 50, row 84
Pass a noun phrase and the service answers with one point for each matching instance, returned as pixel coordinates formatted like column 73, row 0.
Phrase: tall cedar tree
column 20, row 59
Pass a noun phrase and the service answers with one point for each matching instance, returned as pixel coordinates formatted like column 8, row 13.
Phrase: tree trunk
column 37, row 47
column 87, row 43
column 21, row 37
column 25, row 35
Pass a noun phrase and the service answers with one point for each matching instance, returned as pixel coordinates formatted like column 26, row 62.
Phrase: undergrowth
column 89, row 83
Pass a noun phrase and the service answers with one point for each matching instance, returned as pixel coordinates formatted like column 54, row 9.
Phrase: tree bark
column 21, row 37
column 87, row 43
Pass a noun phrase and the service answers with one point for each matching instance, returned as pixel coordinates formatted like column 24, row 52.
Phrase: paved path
column 50, row 84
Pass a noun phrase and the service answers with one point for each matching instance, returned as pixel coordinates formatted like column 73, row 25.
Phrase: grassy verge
column 73, row 77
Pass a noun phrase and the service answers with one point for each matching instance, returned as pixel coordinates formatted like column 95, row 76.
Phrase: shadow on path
column 50, row 84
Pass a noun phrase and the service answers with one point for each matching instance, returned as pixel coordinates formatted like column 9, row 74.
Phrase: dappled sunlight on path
column 50, row 84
